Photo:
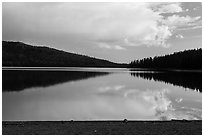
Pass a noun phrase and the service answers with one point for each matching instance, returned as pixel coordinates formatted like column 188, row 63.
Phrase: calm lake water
column 101, row 94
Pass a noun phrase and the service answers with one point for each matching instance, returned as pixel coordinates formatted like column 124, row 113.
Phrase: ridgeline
column 18, row 54
column 188, row 60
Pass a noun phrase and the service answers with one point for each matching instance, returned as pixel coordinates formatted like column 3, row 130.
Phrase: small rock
column 125, row 121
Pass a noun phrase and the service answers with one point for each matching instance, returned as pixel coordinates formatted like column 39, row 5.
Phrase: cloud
column 107, row 46
column 178, row 21
column 167, row 7
column 171, row 8
column 104, row 45
column 118, row 47
column 179, row 100
column 191, row 26
column 179, row 36
column 109, row 25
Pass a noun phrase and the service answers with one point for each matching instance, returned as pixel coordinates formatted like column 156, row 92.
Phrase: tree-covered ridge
column 188, row 59
column 18, row 54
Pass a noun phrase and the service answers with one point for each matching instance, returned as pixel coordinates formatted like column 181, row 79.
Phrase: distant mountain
column 18, row 54
column 188, row 59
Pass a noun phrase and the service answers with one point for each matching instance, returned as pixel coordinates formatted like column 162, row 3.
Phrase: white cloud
column 118, row 47
column 106, row 46
column 168, row 7
column 177, row 21
column 197, row 24
column 179, row 100
column 190, row 27
column 110, row 25
column 179, row 36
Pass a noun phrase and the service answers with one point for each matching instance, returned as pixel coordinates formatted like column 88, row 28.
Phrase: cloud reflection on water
column 156, row 102
column 85, row 96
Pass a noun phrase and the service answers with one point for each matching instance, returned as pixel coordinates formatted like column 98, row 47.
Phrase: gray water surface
column 100, row 94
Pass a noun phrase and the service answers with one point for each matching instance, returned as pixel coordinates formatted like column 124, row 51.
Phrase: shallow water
column 100, row 94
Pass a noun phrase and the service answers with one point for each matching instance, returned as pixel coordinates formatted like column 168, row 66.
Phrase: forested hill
column 188, row 59
column 18, row 54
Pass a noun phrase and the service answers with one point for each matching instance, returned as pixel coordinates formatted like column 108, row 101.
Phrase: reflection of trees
column 16, row 80
column 192, row 80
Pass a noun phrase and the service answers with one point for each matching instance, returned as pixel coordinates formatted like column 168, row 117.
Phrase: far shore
column 174, row 127
column 104, row 68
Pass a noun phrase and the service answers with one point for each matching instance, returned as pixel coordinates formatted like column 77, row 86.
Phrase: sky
column 119, row 32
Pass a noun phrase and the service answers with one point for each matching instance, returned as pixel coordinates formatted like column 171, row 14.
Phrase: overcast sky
column 119, row 32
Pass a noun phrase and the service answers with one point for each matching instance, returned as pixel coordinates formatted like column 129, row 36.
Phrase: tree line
column 188, row 59
column 18, row 54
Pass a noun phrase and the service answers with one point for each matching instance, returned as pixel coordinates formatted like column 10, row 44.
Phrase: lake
column 100, row 94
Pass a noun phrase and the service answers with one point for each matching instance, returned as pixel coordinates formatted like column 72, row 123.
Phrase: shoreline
column 128, row 68
column 173, row 127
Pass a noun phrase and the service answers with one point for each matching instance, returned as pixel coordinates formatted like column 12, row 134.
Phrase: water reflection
column 192, row 80
column 17, row 80
column 156, row 103
column 101, row 96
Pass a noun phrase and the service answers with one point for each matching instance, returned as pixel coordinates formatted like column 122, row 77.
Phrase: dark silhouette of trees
column 192, row 80
column 188, row 59
column 17, row 80
column 18, row 54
